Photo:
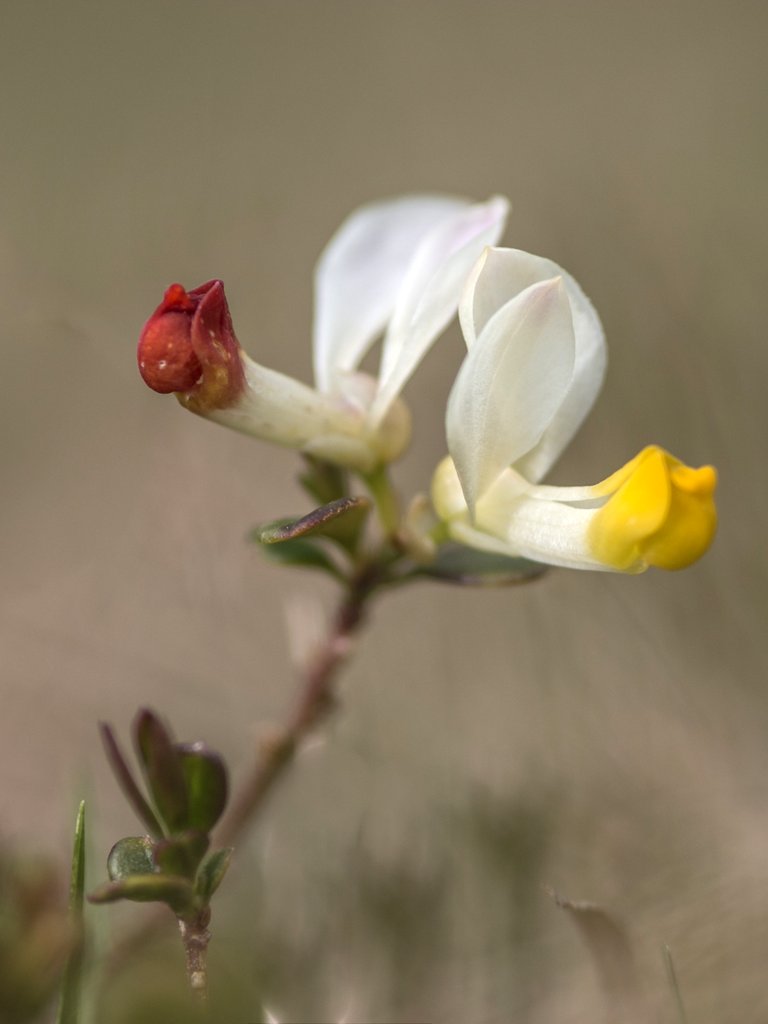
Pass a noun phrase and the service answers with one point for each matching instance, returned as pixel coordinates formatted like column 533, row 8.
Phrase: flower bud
column 188, row 346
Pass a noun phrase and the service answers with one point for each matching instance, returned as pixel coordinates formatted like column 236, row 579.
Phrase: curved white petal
column 548, row 531
column 543, row 531
column 503, row 273
column 360, row 273
column 510, row 385
column 278, row 408
column 553, row 533
column 431, row 290
column 514, row 518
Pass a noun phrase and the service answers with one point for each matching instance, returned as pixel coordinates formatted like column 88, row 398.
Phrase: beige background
column 143, row 143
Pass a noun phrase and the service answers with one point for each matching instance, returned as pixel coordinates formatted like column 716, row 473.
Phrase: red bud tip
column 177, row 298
column 167, row 361
column 188, row 346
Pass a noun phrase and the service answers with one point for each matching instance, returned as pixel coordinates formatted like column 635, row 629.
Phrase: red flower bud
column 188, row 346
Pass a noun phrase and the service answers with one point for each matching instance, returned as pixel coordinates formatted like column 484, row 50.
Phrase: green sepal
column 180, row 855
column 177, row 892
column 69, row 1005
column 162, row 768
column 323, row 481
column 465, row 566
column 212, row 872
column 130, row 856
column 205, row 778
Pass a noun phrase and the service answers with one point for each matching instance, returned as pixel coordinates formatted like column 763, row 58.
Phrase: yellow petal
column 661, row 513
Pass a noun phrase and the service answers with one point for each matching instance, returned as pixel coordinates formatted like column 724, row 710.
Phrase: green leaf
column 155, row 888
column 77, row 878
column 162, row 769
column 336, row 519
column 130, row 856
column 181, row 855
column 212, row 872
column 456, row 563
column 126, row 781
column 305, row 554
column 69, row 1007
column 205, row 776
column 323, row 480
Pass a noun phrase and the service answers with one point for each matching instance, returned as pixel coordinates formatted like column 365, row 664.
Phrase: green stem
column 385, row 498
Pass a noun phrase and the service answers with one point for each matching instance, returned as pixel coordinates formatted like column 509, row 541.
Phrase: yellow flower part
column 660, row 512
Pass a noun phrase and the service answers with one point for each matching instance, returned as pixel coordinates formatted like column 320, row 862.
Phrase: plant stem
column 316, row 700
column 195, row 936
column 383, row 493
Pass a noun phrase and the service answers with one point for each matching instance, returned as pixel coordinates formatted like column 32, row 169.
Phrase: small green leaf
column 162, row 769
column 212, row 872
column 181, row 855
column 156, row 888
column 323, row 481
column 126, row 781
column 456, row 563
column 205, row 775
column 69, row 1007
column 305, row 554
column 331, row 520
column 77, row 879
column 130, row 856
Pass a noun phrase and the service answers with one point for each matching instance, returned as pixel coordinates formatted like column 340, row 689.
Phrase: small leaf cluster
column 327, row 538
column 187, row 793
column 331, row 539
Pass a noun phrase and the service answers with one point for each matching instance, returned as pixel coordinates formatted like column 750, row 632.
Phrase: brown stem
column 195, row 936
column 316, row 700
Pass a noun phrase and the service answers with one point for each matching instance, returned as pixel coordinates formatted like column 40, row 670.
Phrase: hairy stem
column 195, row 936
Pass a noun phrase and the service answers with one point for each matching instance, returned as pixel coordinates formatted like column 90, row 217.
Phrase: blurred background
column 603, row 735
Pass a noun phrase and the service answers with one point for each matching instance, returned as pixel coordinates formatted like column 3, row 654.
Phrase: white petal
column 514, row 519
column 548, row 530
column 277, row 408
column 360, row 272
column 542, row 531
column 504, row 273
column 511, row 383
column 430, row 294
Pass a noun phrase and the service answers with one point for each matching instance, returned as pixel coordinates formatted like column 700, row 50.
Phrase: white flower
column 535, row 364
column 396, row 266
